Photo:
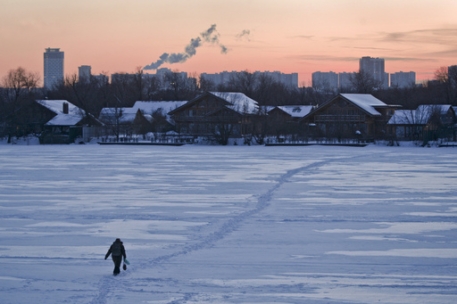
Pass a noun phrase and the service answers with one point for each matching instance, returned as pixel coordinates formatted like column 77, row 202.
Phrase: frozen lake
column 234, row 224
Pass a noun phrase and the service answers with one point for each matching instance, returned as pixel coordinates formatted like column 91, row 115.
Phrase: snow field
column 233, row 224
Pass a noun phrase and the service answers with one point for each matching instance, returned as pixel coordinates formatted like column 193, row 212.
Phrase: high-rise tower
column 403, row 79
column 374, row 67
column 84, row 72
column 325, row 81
column 53, row 67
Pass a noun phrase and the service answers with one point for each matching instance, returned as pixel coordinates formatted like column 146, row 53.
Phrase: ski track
column 108, row 283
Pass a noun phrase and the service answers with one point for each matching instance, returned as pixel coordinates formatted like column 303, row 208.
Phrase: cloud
column 442, row 37
column 450, row 52
column 307, row 37
column 314, row 57
column 447, row 36
column 244, row 34
column 407, row 59
column 209, row 36
column 371, row 48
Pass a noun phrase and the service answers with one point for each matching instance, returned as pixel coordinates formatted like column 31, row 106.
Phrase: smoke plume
column 209, row 36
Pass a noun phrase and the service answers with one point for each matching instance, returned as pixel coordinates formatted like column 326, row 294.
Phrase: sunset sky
column 291, row 36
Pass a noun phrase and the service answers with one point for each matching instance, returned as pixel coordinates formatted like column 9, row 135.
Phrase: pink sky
column 291, row 36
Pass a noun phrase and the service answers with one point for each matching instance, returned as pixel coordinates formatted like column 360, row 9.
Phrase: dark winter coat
column 114, row 249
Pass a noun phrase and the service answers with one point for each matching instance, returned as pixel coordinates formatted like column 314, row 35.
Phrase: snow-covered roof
column 296, row 111
column 57, row 106
column 407, row 117
column 239, row 102
column 64, row 120
column 365, row 101
column 419, row 116
column 266, row 109
column 109, row 114
column 441, row 108
column 73, row 117
column 146, row 107
column 149, row 107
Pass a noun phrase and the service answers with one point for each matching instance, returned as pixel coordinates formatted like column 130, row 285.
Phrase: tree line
column 19, row 88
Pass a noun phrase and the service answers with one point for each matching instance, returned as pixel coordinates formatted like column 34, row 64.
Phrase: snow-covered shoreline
column 32, row 140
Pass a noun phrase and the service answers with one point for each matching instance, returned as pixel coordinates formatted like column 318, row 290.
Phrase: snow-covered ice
column 234, row 224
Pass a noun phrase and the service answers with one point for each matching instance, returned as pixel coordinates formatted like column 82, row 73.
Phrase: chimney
column 65, row 108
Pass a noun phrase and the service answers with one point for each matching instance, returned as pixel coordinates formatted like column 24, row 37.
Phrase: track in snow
column 107, row 284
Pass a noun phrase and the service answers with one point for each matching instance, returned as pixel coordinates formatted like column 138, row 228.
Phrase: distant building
column 171, row 79
column 223, row 78
column 345, row 80
column 217, row 79
column 167, row 78
column 325, row 81
column 123, row 78
column 164, row 72
column 290, row 80
column 452, row 74
column 374, row 67
column 100, row 79
column 53, row 67
column 402, row 79
column 84, row 73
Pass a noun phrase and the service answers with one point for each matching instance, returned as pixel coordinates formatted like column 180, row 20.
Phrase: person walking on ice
column 117, row 251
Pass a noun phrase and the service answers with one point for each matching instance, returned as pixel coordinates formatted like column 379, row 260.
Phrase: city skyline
column 203, row 36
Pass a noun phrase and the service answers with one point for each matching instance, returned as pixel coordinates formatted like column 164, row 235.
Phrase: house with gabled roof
column 218, row 115
column 56, row 121
column 283, row 121
column 351, row 116
column 426, row 122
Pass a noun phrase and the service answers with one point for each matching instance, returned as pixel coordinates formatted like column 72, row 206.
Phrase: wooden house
column 283, row 121
column 216, row 115
column 426, row 122
column 55, row 121
column 348, row 116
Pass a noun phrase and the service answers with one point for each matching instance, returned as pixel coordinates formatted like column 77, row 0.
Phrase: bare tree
column 83, row 94
column 364, row 83
column 138, row 85
column 307, row 96
column 112, row 118
column 441, row 74
column 206, row 85
column 19, row 90
column 452, row 78
column 244, row 82
column 125, row 87
column 223, row 126
column 153, row 85
column 268, row 91
column 261, row 125
column 447, row 81
column 159, row 121
column 178, row 85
